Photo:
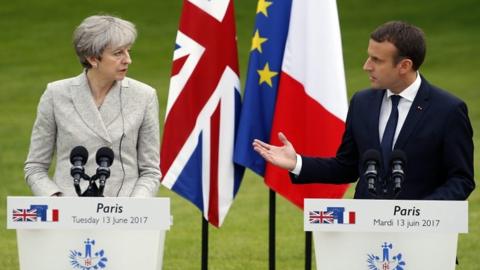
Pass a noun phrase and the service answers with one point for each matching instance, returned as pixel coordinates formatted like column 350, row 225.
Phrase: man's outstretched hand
column 283, row 156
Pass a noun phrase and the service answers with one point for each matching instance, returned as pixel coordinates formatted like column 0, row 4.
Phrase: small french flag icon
column 44, row 214
column 349, row 218
column 52, row 215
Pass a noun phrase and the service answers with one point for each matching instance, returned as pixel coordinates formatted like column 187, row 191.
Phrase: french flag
column 311, row 105
column 44, row 214
column 349, row 217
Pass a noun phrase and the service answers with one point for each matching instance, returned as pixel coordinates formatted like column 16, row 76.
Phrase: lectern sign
column 88, row 213
column 385, row 215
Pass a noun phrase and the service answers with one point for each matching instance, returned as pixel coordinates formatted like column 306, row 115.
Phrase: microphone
column 104, row 160
column 371, row 161
column 398, row 161
column 78, row 158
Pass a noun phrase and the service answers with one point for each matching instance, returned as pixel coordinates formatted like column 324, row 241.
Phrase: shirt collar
column 410, row 92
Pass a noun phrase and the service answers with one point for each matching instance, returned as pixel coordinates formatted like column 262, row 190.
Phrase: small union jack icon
column 21, row 215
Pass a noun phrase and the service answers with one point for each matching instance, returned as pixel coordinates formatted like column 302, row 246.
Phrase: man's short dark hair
column 408, row 39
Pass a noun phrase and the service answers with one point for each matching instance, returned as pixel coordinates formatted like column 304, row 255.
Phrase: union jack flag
column 320, row 217
column 203, row 109
column 22, row 215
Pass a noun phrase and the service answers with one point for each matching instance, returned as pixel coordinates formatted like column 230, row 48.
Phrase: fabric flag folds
column 311, row 101
column 266, row 56
column 203, row 110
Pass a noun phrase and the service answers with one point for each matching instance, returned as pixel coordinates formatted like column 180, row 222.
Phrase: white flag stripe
column 194, row 51
column 346, row 217
column 317, row 63
column 226, row 170
column 206, row 168
column 49, row 215
column 216, row 9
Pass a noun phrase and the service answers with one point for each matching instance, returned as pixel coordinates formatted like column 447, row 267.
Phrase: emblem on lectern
column 89, row 260
column 385, row 262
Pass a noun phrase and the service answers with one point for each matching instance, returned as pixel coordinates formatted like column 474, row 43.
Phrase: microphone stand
column 76, row 183
column 92, row 190
column 386, row 192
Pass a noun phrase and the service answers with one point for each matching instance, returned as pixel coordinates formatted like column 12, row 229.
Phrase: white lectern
column 385, row 234
column 60, row 233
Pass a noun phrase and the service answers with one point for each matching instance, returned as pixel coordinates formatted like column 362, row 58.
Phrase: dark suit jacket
column 436, row 138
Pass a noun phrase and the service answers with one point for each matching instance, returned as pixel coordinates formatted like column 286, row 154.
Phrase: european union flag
column 264, row 67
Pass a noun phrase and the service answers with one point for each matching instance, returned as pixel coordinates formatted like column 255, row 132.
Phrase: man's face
column 383, row 72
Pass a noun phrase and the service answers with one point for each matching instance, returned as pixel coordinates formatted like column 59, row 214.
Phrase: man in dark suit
column 402, row 111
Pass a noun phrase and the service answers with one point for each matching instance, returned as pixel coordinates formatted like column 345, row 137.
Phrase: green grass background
column 35, row 48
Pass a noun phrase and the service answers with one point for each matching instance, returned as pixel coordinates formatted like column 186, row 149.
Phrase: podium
column 60, row 233
column 385, row 234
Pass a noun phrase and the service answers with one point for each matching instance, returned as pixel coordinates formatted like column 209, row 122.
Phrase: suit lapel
column 375, row 104
column 417, row 111
column 86, row 108
column 110, row 108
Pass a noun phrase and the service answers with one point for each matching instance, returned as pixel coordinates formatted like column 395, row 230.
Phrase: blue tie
column 389, row 133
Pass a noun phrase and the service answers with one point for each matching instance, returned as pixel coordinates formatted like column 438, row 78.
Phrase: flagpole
column 271, row 231
column 204, row 244
column 308, row 250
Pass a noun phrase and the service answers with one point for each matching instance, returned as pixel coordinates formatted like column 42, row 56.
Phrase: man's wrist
column 298, row 165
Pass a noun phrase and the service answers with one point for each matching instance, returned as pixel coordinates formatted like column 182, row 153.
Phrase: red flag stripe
column 178, row 64
column 55, row 215
column 214, row 139
column 351, row 217
column 312, row 130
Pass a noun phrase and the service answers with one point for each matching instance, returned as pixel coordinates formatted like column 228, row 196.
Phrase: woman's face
column 114, row 62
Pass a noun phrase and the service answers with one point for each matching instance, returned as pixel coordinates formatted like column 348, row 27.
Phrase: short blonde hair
column 97, row 32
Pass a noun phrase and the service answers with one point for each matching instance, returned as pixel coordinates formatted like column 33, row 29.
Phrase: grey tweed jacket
column 67, row 117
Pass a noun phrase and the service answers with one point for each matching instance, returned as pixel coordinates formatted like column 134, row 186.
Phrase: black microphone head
column 398, row 155
column 371, row 155
column 104, row 154
column 79, row 153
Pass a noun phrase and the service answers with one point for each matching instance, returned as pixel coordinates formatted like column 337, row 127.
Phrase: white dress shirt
column 408, row 95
